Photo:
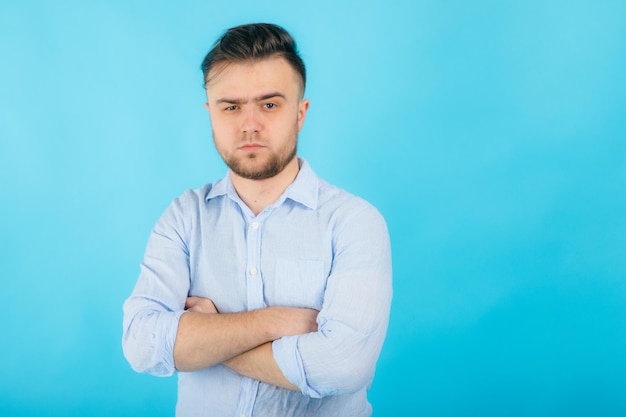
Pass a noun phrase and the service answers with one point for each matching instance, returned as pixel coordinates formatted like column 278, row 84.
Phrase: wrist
column 270, row 320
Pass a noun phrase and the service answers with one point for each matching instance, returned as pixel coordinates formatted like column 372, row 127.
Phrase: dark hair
column 254, row 42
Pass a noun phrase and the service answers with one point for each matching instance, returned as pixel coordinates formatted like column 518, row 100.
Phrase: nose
column 251, row 121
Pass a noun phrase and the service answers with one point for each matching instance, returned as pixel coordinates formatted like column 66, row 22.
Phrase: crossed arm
column 241, row 341
column 336, row 358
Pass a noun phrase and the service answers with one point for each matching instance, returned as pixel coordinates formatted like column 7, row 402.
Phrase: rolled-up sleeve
column 152, row 312
column 341, row 356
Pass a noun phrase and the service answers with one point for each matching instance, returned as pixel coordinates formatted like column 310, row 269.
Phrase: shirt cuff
column 168, row 327
column 287, row 356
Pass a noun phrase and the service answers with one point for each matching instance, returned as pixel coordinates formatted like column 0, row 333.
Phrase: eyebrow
column 268, row 96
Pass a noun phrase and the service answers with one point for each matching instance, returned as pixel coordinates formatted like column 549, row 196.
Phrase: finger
column 191, row 302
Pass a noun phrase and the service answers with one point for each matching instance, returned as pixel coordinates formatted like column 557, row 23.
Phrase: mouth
column 251, row 147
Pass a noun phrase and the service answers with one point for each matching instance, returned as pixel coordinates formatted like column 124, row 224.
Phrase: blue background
column 491, row 135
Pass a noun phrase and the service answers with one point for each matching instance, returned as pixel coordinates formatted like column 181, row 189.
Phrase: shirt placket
column 254, row 299
column 254, row 274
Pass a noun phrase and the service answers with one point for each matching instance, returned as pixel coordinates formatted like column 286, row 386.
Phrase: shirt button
column 255, row 225
column 253, row 271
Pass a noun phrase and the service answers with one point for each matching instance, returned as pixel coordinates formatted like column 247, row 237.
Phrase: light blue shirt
column 317, row 247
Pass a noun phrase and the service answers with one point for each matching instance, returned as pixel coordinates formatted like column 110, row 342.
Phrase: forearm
column 206, row 339
column 259, row 364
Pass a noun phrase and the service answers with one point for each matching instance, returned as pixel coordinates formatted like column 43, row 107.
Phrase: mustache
column 254, row 139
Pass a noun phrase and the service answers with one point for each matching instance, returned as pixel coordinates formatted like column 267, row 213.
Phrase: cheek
column 222, row 129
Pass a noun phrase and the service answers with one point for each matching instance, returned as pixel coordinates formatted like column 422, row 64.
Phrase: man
column 268, row 291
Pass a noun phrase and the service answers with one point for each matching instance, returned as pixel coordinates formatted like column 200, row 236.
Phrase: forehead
column 253, row 77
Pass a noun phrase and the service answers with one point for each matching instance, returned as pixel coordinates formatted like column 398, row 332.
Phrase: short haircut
column 254, row 42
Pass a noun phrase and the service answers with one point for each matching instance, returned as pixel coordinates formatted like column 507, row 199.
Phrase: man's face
column 256, row 113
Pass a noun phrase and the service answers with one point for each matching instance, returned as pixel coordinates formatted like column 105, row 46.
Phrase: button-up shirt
column 317, row 247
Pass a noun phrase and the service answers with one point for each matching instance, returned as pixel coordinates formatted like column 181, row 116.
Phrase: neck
column 259, row 194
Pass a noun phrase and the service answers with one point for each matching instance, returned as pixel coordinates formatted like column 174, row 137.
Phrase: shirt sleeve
column 341, row 356
column 152, row 311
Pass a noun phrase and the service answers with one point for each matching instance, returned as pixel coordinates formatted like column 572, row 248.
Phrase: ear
column 206, row 106
column 303, row 107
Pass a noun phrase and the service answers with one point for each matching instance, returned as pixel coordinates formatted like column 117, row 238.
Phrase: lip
column 251, row 147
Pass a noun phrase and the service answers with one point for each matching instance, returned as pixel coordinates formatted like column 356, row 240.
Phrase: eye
column 270, row 106
column 230, row 108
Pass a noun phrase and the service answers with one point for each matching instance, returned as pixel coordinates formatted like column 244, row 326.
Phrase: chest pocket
column 298, row 283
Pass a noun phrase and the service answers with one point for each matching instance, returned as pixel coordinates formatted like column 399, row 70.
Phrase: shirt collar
column 303, row 190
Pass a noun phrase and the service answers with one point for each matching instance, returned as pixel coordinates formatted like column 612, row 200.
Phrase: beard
column 254, row 166
column 274, row 165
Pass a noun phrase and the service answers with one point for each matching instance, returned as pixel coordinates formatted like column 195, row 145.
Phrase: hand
column 291, row 321
column 200, row 305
